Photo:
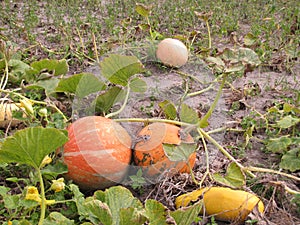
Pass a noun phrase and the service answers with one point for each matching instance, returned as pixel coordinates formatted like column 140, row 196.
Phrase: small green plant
column 31, row 147
column 137, row 180
column 212, row 221
column 145, row 11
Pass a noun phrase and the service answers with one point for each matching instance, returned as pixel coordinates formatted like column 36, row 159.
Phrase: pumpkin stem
column 215, row 143
column 122, row 107
column 43, row 202
column 203, row 121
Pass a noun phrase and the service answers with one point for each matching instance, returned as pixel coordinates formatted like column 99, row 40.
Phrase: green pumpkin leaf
column 291, row 160
column 180, row 152
column 81, row 84
column 118, row 198
column 131, row 216
column 215, row 61
column 241, row 55
column 279, row 145
column 156, row 212
column 187, row 215
column 48, row 85
column 249, row 39
column 17, row 70
column 142, row 9
column 287, row 121
column 234, row 68
column 31, row 145
column 58, row 219
column 169, row 109
column 119, row 68
column 234, row 176
column 79, row 200
column 52, row 171
column 295, row 140
column 98, row 212
column 104, row 102
column 188, row 114
column 11, row 201
column 4, row 190
column 23, row 222
column 138, row 85
column 248, row 56
column 57, row 67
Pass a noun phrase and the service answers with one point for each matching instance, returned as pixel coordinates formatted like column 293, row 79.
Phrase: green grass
column 68, row 26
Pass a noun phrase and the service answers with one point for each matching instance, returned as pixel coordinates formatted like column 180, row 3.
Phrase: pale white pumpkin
column 172, row 52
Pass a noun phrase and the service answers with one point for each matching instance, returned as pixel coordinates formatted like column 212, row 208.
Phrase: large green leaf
column 131, row 216
column 17, row 70
column 245, row 55
column 180, row 152
column 291, row 160
column 238, row 67
column 98, row 212
column 119, row 68
column 57, row 67
column 279, row 145
column 287, row 121
column 187, row 215
column 79, row 200
column 58, row 219
column 217, row 62
column 3, row 190
column 138, row 85
column 169, row 109
column 105, row 101
column 156, row 212
column 48, row 85
column 53, row 170
column 31, row 145
column 118, row 198
column 188, row 114
column 234, row 176
column 11, row 201
column 81, row 84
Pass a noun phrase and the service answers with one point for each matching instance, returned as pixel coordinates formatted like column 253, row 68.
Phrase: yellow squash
column 223, row 203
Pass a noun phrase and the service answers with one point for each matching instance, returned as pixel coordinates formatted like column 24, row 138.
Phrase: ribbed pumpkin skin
column 98, row 152
column 150, row 155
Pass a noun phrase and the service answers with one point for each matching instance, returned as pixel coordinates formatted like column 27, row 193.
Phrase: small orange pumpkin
column 98, row 152
column 149, row 151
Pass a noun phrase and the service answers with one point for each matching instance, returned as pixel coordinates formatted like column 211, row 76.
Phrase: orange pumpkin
column 98, row 152
column 149, row 151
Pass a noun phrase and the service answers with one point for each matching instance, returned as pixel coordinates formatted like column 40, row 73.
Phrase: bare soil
column 267, row 88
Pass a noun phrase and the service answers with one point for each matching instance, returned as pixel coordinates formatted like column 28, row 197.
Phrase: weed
column 138, row 180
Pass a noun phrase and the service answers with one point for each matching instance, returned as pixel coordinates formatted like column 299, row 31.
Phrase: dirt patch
column 258, row 90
